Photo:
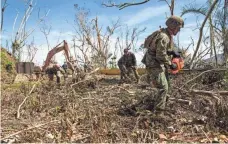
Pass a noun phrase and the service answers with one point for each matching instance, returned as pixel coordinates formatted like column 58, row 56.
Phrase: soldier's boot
column 161, row 99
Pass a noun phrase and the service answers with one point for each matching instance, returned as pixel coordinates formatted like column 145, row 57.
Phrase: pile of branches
column 111, row 112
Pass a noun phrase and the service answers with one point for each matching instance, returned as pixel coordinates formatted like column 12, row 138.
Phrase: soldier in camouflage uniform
column 127, row 65
column 157, row 58
column 54, row 69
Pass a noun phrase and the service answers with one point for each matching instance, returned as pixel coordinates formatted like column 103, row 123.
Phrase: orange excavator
column 38, row 70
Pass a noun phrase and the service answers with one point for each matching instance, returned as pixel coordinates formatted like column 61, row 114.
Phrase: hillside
column 7, row 59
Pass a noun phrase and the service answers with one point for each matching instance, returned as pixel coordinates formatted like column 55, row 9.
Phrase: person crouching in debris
column 157, row 57
column 37, row 71
column 127, row 65
column 54, row 69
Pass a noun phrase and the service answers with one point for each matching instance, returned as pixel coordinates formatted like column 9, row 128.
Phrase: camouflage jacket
column 53, row 68
column 157, row 44
column 127, row 60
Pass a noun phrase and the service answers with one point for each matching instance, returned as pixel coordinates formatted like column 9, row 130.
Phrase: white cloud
column 146, row 14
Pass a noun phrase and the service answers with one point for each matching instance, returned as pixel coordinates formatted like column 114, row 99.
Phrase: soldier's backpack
column 149, row 42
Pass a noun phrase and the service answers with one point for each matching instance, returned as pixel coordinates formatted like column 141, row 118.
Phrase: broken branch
column 124, row 5
column 29, row 128
column 211, row 93
column 18, row 110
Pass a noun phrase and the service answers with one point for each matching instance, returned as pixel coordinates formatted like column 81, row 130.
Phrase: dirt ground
column 103, row 110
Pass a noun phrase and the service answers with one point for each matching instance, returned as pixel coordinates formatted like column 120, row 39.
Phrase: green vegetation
column 8, row 71
column 6, row 59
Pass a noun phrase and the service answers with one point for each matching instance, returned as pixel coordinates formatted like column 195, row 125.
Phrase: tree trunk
column 225, row 33
column 212, row 41
column 201, row 32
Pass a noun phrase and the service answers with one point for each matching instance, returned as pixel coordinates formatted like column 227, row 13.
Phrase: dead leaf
column 49, row 135
column 204, row 140
column 173, row 138
column 134, row 134
column 162, row 136
column 222, row 137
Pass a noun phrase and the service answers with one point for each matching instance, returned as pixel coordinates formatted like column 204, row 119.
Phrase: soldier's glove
column 173, row 53
column 173, row 66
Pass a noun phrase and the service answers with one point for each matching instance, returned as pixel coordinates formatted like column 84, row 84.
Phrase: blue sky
column 62, row 14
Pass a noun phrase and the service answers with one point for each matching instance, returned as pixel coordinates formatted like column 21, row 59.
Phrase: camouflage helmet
column 174, row 21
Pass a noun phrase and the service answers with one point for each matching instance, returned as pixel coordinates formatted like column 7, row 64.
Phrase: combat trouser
column 58, row 76
column 51, row 75
column 159, row 80
column 129, row 71
column 123, row 73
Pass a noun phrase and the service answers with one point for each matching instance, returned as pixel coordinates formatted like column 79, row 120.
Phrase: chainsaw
column 179, row 61
column 180, row 64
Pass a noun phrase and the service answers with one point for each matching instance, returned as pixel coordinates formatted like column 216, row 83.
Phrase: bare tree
column 82, row 51
column 18, row 40
column 225, row 32
column 130, row 41
column 121, row 6
column 46, row 32
column 31, row 50
column 131, row 38
column 203, row 11
column 4, row 5
column 45, row 29
column 91, row 34
column 102, row 48
column 171, row 5
column 201, row 32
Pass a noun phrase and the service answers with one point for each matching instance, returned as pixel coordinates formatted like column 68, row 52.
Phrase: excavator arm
column 55, row 50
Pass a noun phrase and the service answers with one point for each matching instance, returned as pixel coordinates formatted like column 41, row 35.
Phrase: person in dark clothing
column 127, row 65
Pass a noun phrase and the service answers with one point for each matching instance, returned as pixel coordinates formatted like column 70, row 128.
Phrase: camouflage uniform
column 127, row 65
column 37, row 71
column 54, row 69
column 157, row 60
